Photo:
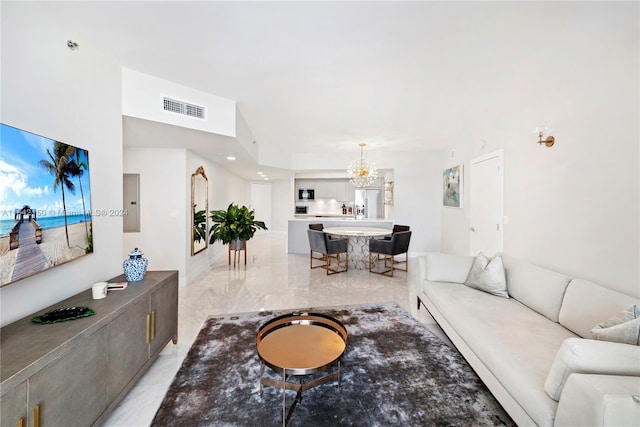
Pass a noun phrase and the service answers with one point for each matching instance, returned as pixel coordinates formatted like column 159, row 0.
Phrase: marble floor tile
column 271, row 280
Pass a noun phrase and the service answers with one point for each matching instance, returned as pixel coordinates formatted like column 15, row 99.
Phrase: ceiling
column 313, row 77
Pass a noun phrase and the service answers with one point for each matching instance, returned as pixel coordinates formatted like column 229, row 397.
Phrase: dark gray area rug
column 394, row 372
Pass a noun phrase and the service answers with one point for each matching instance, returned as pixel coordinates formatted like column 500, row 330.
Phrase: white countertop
column 322, row 215
column 354, row 230
column 336, row 218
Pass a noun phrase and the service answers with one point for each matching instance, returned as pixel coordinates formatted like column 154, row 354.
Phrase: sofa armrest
column 599, row 400
column 583, row 356
column 439, row 267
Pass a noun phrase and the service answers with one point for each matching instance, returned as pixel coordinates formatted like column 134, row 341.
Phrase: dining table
column 359, row 237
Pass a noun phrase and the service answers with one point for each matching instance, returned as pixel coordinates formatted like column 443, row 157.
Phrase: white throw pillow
column 623, row 327
column 488, row 276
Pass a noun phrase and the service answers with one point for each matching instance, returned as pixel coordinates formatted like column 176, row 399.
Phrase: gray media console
column 74, row 373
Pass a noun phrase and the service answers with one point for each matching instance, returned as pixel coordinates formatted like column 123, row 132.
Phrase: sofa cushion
column 488, row 276
column 585, row 356
column 448, row 268
column 540, row 289
column 623, row 327
column 506, row 336
column 586, row 304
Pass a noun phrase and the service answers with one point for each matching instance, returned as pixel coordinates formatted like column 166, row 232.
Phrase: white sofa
column 536, row 344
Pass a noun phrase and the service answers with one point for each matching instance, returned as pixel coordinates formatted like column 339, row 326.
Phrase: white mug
column 99, row 290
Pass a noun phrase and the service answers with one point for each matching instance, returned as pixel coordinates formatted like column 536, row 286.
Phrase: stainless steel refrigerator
column 372, row 202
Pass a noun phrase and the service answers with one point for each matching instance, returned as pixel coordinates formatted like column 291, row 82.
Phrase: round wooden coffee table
column 300, row 344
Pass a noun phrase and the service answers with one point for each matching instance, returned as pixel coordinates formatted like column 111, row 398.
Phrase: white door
column 486, row 204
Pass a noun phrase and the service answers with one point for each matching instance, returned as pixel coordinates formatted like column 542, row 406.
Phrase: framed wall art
column 452, row 187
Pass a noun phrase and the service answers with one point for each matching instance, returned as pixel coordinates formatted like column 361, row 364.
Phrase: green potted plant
column 234, row 226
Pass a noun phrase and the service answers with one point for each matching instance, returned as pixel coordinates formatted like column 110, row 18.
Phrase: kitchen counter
column 298, row 241
column 332, row 216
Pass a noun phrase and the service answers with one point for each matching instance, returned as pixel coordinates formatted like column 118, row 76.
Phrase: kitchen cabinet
column 349, row 192
column 326, row 189
column 339, row 189
column 339, row 194
column 305, row 184
column 345, row 191
column 74, row 373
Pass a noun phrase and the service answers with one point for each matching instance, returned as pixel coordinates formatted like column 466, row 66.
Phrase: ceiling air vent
column 184, row 108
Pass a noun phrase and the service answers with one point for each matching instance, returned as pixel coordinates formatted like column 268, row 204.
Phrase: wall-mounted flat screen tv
column 45, row 204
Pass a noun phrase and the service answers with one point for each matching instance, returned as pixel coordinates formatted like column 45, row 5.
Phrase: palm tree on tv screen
column 79, row 171
column 60, row 166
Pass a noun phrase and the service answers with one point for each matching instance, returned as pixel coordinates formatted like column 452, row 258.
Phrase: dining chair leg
column 323, row 260
column 331, row 270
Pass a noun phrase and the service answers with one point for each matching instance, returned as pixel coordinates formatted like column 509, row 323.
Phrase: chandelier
column 362, row 172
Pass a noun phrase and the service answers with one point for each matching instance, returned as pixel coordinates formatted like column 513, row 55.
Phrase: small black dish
column 63, row 314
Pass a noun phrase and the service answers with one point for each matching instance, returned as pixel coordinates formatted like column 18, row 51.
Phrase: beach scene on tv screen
column 45, row 203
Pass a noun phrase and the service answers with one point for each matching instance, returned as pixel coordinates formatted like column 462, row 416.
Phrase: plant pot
column 238, row 245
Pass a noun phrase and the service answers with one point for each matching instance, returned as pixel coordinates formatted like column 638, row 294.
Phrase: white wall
column 417, row 199
column 143, row 98
column 575, row 207
column 75, row 97
column 282, row 205
column 261, row 202
column 164, row 207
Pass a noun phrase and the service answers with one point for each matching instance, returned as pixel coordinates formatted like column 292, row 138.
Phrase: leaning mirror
column 199, row 209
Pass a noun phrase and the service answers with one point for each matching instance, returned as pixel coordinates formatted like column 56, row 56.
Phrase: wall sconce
column 548, row 141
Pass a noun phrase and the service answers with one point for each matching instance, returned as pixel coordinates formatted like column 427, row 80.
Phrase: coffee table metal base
column 297, row 387
column 299, row 345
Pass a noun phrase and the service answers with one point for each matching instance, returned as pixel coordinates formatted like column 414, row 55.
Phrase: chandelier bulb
column 361, row 172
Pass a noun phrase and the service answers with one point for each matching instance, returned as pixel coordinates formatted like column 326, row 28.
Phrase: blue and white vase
column 135, row 267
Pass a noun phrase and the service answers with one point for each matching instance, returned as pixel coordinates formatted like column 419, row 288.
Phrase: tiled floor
column 271, row 280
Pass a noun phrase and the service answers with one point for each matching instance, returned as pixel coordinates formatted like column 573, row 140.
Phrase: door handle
column 472, row 229
column 153, row 325
column 36, row 415
column 147, row 338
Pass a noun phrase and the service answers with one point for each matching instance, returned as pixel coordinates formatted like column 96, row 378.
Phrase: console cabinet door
column 13, row 406
column 128, row 347
column 72, row 391
column 164, row 305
